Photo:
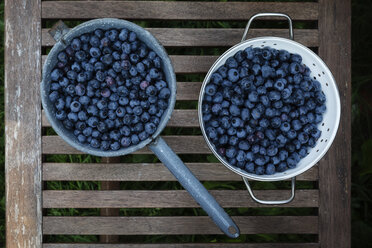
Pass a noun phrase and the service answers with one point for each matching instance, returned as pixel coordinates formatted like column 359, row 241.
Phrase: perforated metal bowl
column 331, row 117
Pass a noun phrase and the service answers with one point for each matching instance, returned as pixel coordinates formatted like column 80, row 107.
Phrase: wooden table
column 27, row 146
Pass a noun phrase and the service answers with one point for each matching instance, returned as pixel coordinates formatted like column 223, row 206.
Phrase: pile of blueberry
column 261, row 110
column 108, row 88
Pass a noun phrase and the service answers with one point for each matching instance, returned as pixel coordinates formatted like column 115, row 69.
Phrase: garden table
column 29, row 164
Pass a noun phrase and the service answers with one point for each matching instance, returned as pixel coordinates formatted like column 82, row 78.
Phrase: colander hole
column 323, row 124
column 314, row 77
column 321, row 140
column 274, row 44
column 314, row 64
column 319, row 75
column 264, row 42
column 262, row 45
column 326, row 84
column 317, row 150
column 323, row 72
column 328, row 130
column 326, row 140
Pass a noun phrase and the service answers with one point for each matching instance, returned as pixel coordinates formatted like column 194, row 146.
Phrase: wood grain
column 335, row 174
column 184, row 225
column 180, row 118
column 185, row 245
column 23, row 123
column 144, row 172
column 180, row 144
column 212, row 37
column 168, row 198
column 156, row 10
column 186, row 64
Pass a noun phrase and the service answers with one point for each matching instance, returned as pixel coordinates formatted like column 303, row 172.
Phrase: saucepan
column 63, row 35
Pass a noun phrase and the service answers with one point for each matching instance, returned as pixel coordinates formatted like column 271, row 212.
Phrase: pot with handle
column 63, row 35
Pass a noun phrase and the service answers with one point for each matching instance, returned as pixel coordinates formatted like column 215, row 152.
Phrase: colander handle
column 293, row 186
column 265, row 15
column 59, row 30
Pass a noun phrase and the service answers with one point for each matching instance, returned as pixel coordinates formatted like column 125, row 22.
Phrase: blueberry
column 260, row 161
column 231, row 63
column 253, row 96
column 233, row 75
column 256, row 114
column 284, row 55
column 240, row 156
column 281, row 139
column 61, row 115
column 280, row 83
column 249, row 167
column 294, row 68
column 296, row 125
column 281, row 167
column 76, row 44
column 210, row 89
column 72, row 117
column 270, row 169
column 285, row 127
column 75, row 106
column 234, row 110
column 92, row 121
column 267, row 71
column 256, row 68
column 303, row 137
column 231, row 152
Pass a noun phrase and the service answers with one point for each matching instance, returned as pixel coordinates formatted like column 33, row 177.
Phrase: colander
column 331, row 117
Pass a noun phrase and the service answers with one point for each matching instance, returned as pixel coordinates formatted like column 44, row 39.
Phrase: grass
column 361, row 148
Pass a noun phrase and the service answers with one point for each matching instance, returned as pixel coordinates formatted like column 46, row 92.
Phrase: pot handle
column 293, row 186
column 265, row 15
column 194, row 187
column 59, row 30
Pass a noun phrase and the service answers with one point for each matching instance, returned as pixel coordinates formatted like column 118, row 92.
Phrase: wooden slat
column 335, row 179
column 180, row 144
column 144, row 172
column 156, row 10
column 186, row 64
column 168, row 198
column 213, row 37
column 176, row 225
column 180, row 118
column 186, row 245
column 23, row 123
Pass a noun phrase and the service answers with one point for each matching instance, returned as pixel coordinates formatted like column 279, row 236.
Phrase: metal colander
column 319, row 71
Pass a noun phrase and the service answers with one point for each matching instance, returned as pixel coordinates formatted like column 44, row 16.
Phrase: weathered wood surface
column 168, row 198
column 212, row 37
column 106, row 187
column 144, row 172
column 184, row 225
column 156, row 10
column 335, row 174
column 23, row 123
column 180, row 144
column 186, row 245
